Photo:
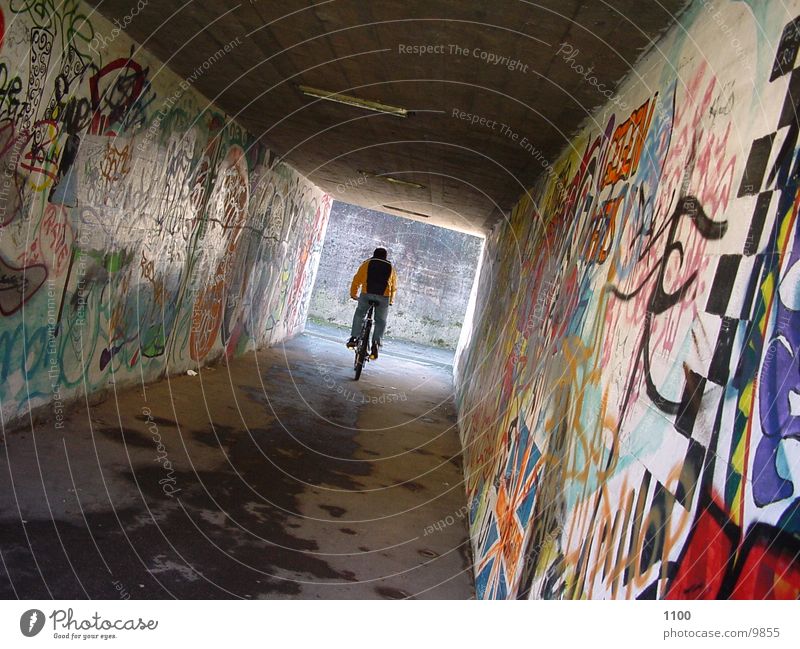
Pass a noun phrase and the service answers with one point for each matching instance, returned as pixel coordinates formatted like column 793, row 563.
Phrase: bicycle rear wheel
column 362, row 349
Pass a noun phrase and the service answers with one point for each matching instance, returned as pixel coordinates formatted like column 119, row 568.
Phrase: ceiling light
column 391, row 179
column 398, row 181
column 400, row 209
column 353, row 101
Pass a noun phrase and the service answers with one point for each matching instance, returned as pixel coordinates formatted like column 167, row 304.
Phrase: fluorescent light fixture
column 349, row 100
column 391, row 179
column 398, row 181
column 400, row 209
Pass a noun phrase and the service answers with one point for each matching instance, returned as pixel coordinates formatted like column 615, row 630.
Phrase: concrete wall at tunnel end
column 144, row 232
column 629, row 395
column 435, row 269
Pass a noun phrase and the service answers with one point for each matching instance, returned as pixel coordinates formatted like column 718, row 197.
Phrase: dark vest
column 378, row 273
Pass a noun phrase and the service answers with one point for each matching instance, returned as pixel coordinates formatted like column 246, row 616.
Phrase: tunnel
column 589, row 386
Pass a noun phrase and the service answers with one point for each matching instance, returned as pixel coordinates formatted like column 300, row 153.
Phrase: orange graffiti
column 626, row 145
column 207, row 317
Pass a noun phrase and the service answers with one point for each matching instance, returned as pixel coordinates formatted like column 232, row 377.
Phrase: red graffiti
column 770, row 570
column 719, row 563
column 705, row 559
column 116, row 99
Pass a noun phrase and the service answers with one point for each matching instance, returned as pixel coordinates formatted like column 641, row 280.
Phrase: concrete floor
column 277, row 477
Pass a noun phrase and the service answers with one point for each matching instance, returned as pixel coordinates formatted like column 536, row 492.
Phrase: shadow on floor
column 275, row 476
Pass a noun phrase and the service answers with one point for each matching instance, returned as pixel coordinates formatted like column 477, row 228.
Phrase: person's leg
column 358, row 316
column 381, row 313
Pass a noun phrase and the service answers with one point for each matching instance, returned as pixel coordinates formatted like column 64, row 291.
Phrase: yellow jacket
column 375, row 276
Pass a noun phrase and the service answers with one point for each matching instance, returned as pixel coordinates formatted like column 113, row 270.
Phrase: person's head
column 380, row 253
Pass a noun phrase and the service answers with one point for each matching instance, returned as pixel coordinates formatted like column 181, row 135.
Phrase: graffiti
column 41, row 48
column 514, row 501
column 627, row 144
column 132, row 244
column 10, row 91
column 63, row 18
column 661, row 299
column 71, row 111
column 40, row 160
column 53, row 241
column 120, row 95
column 630, row 405
column 115, row 164
column 18, row 285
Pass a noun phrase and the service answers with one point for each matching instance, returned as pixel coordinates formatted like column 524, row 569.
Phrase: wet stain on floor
column 127, row 436
column 333, row 510
column 392, row 593
column 159, row 421
column 412, row 486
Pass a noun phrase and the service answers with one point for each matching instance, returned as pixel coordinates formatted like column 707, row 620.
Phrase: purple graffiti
column 779, row 393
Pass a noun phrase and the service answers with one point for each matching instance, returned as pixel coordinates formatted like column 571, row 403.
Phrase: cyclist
column 378, row 281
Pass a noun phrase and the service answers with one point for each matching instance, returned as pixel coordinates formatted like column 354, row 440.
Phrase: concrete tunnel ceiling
column 470, row 174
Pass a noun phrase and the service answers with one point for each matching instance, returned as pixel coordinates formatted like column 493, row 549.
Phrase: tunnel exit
column 436, row 269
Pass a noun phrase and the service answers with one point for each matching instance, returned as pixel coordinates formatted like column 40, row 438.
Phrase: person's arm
column 392, row 286
column 358, row 279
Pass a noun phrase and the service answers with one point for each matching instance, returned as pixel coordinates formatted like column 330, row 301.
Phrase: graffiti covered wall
column 142, row 231
column 629, row 401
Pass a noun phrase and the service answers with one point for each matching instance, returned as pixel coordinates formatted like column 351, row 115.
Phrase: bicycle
column 362, row 342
